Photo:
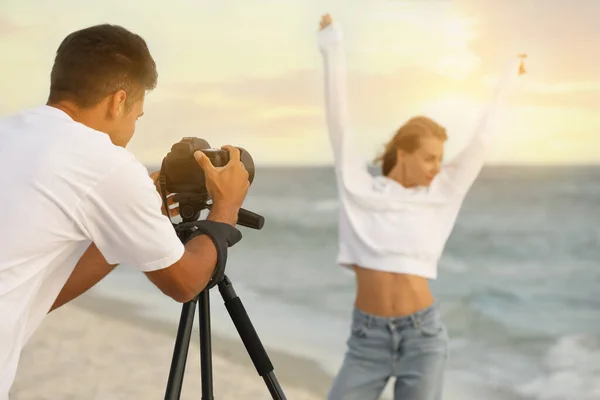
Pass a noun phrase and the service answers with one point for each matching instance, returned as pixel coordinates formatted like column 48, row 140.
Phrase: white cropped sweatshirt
column 383, row 225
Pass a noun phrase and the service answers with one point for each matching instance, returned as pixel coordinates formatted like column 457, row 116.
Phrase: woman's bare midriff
column 389, row 294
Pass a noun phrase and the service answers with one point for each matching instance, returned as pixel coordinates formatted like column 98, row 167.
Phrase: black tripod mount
column 190, row 207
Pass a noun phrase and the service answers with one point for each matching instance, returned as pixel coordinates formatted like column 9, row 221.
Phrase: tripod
column 190, row 208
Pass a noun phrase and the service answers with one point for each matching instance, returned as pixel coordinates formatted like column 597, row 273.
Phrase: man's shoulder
column 94, row 149
column 74, row 149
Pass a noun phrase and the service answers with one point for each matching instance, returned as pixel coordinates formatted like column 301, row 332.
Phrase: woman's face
column 422, row 166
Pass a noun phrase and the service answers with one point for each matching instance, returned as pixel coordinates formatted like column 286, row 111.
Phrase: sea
column 518, row 285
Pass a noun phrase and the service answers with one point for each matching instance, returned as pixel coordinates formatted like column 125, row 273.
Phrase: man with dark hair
column 75, row 203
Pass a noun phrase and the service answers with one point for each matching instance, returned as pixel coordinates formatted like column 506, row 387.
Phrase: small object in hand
column 325, row 21
column 522, row 69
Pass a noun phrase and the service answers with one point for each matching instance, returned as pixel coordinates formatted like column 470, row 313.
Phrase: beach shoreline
column 94, row 342
column 99, row 347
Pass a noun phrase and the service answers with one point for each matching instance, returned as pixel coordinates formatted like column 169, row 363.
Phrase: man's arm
column 192, row 274
column 91, row 268
column 186, row 278
column 122, row 216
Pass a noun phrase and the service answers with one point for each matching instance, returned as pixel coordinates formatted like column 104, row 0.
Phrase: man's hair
column 95, row 62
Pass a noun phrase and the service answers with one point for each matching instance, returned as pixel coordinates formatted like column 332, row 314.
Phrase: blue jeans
column 413, row 349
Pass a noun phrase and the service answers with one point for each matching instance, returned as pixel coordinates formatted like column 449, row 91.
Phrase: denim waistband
column 413, row 319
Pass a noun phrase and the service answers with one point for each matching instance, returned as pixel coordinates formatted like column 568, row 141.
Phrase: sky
column 249, row 73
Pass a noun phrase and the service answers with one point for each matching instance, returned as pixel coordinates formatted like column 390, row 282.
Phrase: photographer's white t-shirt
column 63, row 186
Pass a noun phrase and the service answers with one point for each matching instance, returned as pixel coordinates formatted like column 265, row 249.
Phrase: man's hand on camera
column 227, row 186
column 173, row 212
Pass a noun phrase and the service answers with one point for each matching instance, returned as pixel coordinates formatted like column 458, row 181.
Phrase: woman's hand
column 325, row 21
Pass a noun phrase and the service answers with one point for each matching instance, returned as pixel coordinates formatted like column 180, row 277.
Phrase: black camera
column 183, row 174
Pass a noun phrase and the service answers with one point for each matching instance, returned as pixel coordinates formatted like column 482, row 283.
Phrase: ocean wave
column 502, row 316
column 289, row 212
column 327, row 205
column 473, row 316
column 571, row 371
column 283, row 203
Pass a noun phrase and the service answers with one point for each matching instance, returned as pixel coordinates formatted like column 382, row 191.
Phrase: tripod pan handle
column 250, row 220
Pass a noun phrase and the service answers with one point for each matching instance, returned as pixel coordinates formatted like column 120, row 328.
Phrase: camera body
column 184, row 175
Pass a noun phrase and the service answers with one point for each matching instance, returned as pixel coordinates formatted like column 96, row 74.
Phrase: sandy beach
column 95, row 348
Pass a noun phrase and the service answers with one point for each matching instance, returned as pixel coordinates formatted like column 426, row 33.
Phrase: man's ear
column 116, row 104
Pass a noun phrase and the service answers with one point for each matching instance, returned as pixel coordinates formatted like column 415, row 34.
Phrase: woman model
column 392, row 231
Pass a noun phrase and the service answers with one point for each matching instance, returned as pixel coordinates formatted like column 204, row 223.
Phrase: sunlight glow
column 251, row 72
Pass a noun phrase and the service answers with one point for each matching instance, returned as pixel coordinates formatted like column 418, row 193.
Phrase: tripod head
column 192, row 204
column 190, row 208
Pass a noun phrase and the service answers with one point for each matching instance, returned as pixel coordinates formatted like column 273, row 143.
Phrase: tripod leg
column 180, row 352
column 205, row 345
column 250, row 338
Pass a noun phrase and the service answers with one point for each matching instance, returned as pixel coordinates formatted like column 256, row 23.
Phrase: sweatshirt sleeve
column 350, row 166
column 459, row 174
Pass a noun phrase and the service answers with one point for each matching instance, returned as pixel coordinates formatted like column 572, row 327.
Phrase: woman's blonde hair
column 407, row 138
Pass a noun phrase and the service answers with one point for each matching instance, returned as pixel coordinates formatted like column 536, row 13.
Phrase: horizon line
column 372, row 166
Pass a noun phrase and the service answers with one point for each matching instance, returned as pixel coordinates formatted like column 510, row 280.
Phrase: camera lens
column 187, row 211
